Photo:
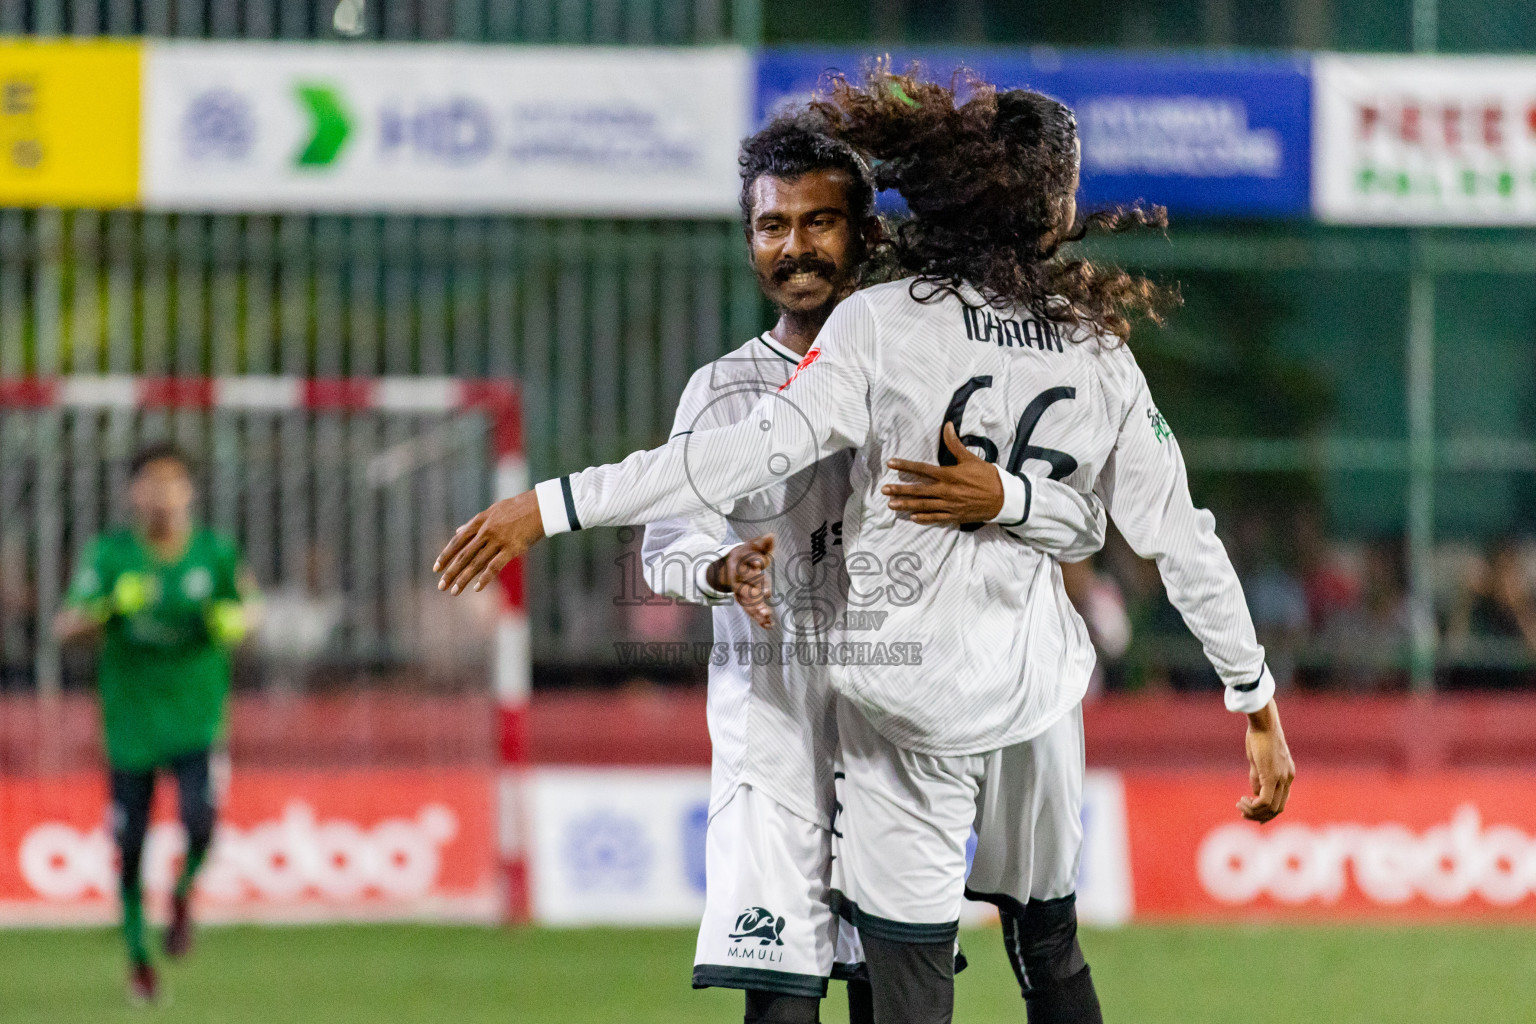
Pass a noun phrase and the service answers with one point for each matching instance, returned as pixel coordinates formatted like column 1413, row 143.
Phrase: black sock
column 1069, row 1001
column 861, row 1002
column 911, row 982
column 775, row 1008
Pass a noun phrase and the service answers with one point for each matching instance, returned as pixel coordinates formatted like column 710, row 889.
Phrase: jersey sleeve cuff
column 1018, row 495
column 557, row 509
column 1246, row 698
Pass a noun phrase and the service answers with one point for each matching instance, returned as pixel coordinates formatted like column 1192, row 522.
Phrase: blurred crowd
column 1332, row 614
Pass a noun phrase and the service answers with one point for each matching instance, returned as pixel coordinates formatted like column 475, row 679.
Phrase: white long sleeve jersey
column 999, row 653
column 771, row 713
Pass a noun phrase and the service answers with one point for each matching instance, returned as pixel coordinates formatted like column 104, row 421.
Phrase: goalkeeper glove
column 226, row 622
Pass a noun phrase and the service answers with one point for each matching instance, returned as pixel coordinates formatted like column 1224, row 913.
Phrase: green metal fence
column 634, row 22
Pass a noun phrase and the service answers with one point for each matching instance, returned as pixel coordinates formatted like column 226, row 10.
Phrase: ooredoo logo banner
column 362, row 844
column 1356, row 845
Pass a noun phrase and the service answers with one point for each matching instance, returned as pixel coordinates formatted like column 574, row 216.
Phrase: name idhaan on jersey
column 984, row 325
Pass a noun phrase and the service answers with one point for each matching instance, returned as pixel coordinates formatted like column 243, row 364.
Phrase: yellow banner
column 69, row 123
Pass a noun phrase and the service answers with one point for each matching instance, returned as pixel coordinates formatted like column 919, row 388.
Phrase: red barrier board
column 357, row 843
column 1356, row 845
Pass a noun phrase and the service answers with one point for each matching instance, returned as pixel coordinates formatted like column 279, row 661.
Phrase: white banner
column 623, row 846
column 618, row 846
column 1424, row 140
column 443, row 128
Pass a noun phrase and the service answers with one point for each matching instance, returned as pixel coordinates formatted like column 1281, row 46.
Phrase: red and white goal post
column 497, row 400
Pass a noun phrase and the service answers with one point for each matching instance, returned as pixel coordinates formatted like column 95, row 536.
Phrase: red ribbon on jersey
column 810, row 357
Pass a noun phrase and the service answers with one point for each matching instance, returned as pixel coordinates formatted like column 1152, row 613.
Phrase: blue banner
column 1203, row 134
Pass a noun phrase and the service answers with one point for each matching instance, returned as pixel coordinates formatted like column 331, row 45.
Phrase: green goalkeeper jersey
column 163, row 674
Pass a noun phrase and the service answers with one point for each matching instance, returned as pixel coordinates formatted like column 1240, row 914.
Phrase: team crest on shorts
column 758, row 923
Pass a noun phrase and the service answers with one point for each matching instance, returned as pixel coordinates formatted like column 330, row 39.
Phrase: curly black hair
column 987, row 176
column 795, row 144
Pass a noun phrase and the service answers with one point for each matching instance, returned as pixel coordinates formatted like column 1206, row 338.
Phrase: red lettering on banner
column 1370, row 118
column 1450, row 117
column 1493, row 126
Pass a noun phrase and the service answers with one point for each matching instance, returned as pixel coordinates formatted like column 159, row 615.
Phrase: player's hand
column 482, row 547
column 744, row 572
column 968, row 492
column 1270, row 768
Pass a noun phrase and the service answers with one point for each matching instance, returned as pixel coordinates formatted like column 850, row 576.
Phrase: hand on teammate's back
column 744, row 572
column 970, row 491
column 482, row 547
column 1270, row 768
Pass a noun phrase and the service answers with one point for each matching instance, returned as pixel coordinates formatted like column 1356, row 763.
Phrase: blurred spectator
column 1099, row 600
column 1330, row 583
column 1276, row 598
column 301, row 617
column 1368, row 642
column 1493, row 632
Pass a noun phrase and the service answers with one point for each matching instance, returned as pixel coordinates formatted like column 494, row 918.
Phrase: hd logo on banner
column 1425, row 140
column 245, row 126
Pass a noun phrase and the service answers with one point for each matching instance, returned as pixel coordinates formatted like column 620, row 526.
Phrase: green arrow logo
column 332, row 126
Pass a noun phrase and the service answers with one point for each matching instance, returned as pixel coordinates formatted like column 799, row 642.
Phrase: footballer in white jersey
column 1030, row 369
column 770, row 705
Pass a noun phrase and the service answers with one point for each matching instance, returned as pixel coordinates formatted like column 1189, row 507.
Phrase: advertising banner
column 69, row 123
column 625, row 846
column 442, row 128
column 1205, row 134
column 1348, row 846
column 1425, row 140
column 367, row 844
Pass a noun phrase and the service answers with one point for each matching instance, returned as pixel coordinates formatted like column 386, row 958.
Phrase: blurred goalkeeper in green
column 168, row 602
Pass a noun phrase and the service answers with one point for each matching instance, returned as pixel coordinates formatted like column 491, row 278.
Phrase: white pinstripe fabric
column 771, row 722
column 1003, row 654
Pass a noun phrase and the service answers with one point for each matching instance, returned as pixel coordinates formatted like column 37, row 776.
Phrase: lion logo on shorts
column 758, row 923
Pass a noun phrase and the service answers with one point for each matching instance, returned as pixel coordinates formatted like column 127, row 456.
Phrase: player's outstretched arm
column 1270, row 768
column 482, row 547
column 1146, row 489
column 1046, row 514
column 819, row 411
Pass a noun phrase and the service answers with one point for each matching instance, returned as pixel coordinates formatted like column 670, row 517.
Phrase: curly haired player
column 997, row 340
column 768, row 928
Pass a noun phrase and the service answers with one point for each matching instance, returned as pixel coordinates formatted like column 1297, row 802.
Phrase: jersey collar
column 779, row 350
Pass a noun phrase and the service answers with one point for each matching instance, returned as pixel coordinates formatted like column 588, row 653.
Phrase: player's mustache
column 789, row 266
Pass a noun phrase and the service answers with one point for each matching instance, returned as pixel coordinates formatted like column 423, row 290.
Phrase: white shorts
column 906, row 819
column 768, row 921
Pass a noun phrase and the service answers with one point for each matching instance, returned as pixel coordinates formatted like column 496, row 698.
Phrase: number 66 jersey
column 992, row 651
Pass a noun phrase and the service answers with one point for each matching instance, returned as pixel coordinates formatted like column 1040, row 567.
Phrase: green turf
column 409, row 974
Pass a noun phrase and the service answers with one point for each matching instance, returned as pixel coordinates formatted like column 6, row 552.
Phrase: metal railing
column 634, row 22
column 601, row 324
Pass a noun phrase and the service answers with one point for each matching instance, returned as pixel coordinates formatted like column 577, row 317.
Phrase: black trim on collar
column 773, row 346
